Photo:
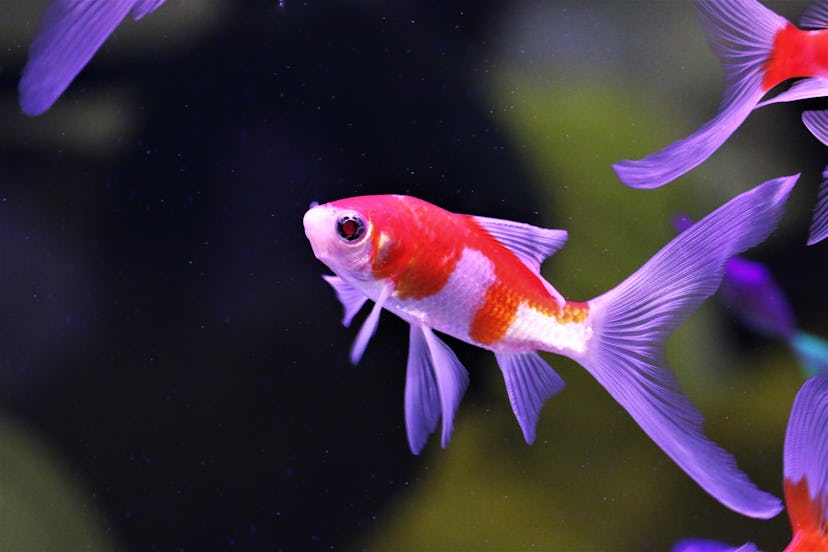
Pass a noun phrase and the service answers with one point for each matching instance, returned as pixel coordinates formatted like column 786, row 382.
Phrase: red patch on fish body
column 796, row 53
column 418, row 245
column 807, row 517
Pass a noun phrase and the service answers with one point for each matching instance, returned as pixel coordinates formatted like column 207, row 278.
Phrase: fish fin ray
column 529, row 382
column 452, row 379
column 369, row 327
column 350, row 297
column 817, row 122
column 68, row 36
column 531, row 244
column 710, row 545
column 145, row 7
column 805, row 454
column 819, row 222
column 815, row 15
column 811, row 87
column 422, row 398
column 741, row 32
column 685, row 154
column 632, row 321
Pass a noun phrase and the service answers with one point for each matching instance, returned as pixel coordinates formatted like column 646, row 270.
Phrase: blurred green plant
column 42, row 507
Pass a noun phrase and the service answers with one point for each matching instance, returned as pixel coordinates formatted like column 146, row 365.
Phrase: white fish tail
column 632, row 322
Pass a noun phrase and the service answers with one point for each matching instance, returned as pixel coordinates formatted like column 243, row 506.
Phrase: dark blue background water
column 163, row 325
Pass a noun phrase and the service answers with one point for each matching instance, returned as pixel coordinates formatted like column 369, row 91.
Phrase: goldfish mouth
column 316, row 222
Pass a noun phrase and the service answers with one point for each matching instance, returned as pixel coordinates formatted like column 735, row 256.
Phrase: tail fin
column 742, row 33
column 69, row 35
column 632, row 322
column 806, row 466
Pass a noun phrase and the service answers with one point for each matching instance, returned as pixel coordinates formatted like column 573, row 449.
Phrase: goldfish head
column 359, row 238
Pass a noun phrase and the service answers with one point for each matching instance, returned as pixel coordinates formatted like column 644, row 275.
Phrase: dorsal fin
column 531, row 244
column 816, row 16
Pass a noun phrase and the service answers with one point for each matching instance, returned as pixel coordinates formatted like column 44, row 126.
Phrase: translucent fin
column 351, row 298
column 812, row 352
column 815, row 16
column 707, row 545
column 632, row 322
column 684, row 155
column 70, row 33
column 817, row 122
column 819, row 222
column 422, row 398
column 806, row 458
column 741, row 32
column 529, row 382
column 752, row 294
column 452, row 379
column 144, row 7
column 801, row 90
column 369, row 327
column 531, row 243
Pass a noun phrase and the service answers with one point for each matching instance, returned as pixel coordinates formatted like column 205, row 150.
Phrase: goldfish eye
column 350, row 227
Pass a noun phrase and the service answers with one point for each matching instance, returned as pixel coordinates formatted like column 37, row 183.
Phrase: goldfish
column 753, row 296
column 759, row 50
column 477, row 279
column 805, row 481
column 69, row 35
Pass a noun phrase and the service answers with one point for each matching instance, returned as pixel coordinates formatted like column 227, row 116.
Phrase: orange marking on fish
column 492, row 320
column 807, row 517
column 515, row 284
column 796, row 53
column 573, row 311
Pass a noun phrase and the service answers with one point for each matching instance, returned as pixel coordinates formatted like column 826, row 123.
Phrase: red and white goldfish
column 759, row 50
column 69, row 35
column 805, row 479
column 478, row 279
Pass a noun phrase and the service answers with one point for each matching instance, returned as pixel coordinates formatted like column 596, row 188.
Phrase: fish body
column 759, row 50
column 450, row 273
column 478, row 279
column 70, row 33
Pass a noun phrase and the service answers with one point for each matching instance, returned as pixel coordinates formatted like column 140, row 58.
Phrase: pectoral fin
column 369, row 327
column 351, row 298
